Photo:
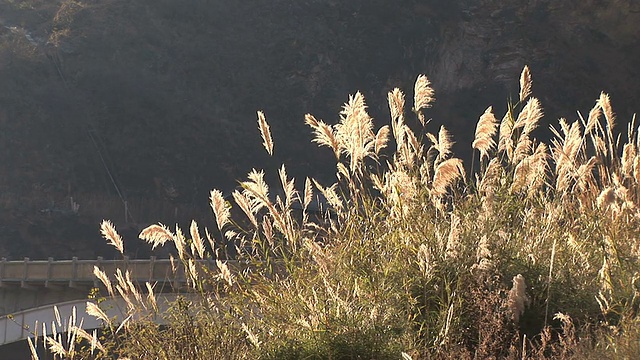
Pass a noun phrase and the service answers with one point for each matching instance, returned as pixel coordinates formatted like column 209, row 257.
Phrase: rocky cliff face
column 153, row 102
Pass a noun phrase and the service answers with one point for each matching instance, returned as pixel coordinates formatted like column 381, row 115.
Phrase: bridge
column 29, row 289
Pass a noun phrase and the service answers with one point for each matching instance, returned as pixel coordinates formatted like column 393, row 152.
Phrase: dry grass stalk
column 607, row 198
column 530, row 173
column 192, row 273
column 446, row 174
column 505, row 141
column 382, row 137
column 636, row 169
column 181, row 243
column 401, row 192
column 424, row 261
column 288, row 186
column 518, row 298
column 423, row 96
column 414, row 148
column 354, row 132
column 445, row 142
column 593, row 121
column 485, row 131
column 104, row 279
column 151, row 298
column 395, row 99
column 109, row 232
column 492, row 175
column 318, row 255
column 442, row 144
column 520, row 175
column 584, row 176
column 253, row 339
column 198, row 242
column 92, row 339
column 605, row 103
column 257, row 188
column 219, row 207
column 32, row 350
column 95, row 342
column 265, row 132
column 332, row 197
column 565, row 154
column 56, row 347
column 124, row 290
column 523, row 149
column 210, row 239
column 453, row 240
column 267, row 230
column 484, row 257
column 525, row 83
column 324, row 134
column 604, row 275
column 56, row 313
column 248, row 206
column 308, row 193
column 396, row 107
column 568, row 337
column 156, row 235
column 629, row 154
column 537, row 176
column 529, row 116
column 225, row 273
column 343, row 173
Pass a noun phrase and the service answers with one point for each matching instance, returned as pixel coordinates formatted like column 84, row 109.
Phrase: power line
column 55, row 60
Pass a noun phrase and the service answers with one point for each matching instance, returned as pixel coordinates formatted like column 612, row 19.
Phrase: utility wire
column 55, row 60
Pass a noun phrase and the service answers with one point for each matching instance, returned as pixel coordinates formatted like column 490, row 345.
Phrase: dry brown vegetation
column 532, row 255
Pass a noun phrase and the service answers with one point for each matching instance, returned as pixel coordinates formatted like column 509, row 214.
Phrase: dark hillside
column 154, row 102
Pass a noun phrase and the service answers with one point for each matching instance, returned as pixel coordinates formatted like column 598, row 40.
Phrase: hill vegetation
column 150, row 102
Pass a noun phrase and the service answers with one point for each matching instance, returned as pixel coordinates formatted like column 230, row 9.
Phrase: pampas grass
column 323, row 134
column 485, row 131
column 109, row 232
column 423, row 96
column 446, row 173
column 196, row 240
column 529, row 117
column 265, row 132
column 156, row 235
column 408, row 256
column 525, row 83
column 219, row 207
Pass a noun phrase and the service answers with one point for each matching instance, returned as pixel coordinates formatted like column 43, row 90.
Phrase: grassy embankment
column 533, row 253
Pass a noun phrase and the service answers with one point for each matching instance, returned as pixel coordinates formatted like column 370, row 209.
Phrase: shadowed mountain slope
column 154, row 102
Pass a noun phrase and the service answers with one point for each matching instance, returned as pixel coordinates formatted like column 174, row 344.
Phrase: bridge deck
column 21, row 325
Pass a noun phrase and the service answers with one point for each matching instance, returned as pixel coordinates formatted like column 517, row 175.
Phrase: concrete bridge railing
column 30, row 284
column 73, row 273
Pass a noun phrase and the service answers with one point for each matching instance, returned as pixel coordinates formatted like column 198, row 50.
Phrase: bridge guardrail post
column 74, row 272
column 2, row 262
column 25, row 275
column 48, row 279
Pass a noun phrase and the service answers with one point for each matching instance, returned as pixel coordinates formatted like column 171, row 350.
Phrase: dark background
column 154, row 101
